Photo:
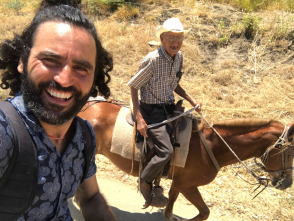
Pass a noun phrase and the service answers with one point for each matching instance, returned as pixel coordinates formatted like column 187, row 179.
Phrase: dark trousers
column 160, row 137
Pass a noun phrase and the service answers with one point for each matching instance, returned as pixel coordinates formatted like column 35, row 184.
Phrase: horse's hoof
column 173, row 218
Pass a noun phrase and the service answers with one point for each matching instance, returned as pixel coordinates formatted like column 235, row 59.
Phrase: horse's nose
column 282, row 184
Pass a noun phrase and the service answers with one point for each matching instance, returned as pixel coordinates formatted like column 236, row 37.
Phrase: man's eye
column 82, row 71
column 50, row 61
column 80, row 68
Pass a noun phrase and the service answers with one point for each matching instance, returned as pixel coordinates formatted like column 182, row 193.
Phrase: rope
column 173, row 118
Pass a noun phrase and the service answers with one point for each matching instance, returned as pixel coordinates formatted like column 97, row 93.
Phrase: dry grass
column 246, row 78
column 254, row 5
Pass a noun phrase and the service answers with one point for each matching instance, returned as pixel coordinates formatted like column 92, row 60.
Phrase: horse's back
column 102, row 116
column 242, row 122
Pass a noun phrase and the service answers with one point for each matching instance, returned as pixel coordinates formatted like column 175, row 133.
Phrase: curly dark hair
column 11, row 51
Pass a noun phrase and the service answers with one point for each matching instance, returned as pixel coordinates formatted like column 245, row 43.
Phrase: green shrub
column 103, row 6
column 223, row 41
column 250, row 24
column 16, row 5
column 223, row 33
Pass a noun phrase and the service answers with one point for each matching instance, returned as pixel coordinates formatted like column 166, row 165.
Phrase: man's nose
column 65, row 76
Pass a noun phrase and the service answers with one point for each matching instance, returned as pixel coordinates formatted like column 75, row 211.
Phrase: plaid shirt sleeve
column 143, row 75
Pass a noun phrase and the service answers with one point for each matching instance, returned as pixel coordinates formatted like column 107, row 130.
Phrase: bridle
column 282, row 144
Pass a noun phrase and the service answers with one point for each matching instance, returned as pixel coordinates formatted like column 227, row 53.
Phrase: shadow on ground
column 121, row 215
column 128, row 216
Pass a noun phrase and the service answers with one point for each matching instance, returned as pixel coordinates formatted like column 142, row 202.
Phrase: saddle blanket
column 122, row 140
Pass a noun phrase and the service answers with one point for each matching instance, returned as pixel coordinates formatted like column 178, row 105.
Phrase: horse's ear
column 290, row 134
column 179, row 106
column 290, row 137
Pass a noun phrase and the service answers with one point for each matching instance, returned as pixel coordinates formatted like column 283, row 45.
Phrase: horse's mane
column 242, row 122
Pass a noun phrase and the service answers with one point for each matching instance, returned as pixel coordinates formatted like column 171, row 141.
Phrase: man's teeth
column 60, row 95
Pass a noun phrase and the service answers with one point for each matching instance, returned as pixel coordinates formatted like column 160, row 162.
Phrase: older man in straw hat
column 158, row 76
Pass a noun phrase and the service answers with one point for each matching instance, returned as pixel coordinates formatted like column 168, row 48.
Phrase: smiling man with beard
column 55, row 59
column 52, row 69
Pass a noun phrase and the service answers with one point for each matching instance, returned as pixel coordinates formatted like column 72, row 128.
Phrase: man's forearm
column 140, row 122
column 135, row 100
column 96, row 209
column 184, row 94
column 180, row 91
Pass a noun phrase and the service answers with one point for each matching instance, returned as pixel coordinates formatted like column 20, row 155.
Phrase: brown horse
column 247, row 140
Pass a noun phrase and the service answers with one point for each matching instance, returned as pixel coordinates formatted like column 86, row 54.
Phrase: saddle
column 174, row 128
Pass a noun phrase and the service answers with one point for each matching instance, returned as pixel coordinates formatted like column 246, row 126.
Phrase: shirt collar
column 26, row 113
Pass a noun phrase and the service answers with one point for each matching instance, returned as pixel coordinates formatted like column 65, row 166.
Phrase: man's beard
column 52, row 114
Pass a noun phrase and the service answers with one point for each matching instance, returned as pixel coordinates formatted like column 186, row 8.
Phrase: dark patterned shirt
column 158, row 77
column 59, row 175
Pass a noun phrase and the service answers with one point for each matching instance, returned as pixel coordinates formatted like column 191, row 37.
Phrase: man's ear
column 20, row 66
column 161, row 38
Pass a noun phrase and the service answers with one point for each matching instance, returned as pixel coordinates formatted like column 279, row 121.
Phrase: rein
column 173, row 118
column 89, row 105
column 95, row 101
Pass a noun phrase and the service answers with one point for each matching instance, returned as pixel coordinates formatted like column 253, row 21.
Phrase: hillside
column 237, row 64
column 233, row 75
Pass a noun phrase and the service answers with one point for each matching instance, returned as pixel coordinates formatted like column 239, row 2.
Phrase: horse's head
column 278, row 159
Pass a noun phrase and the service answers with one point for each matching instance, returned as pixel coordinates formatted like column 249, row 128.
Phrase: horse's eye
column 279, row 146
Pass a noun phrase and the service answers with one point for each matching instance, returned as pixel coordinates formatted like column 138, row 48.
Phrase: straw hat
column 173, row 25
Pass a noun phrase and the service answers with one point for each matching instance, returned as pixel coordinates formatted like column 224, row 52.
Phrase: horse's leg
column 172, row 196
column 194, row 196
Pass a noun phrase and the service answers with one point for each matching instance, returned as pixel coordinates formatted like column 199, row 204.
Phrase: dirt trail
column 228, row 197
column 126, row 203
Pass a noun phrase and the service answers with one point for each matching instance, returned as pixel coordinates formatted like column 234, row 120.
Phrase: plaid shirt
column 158, row 77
